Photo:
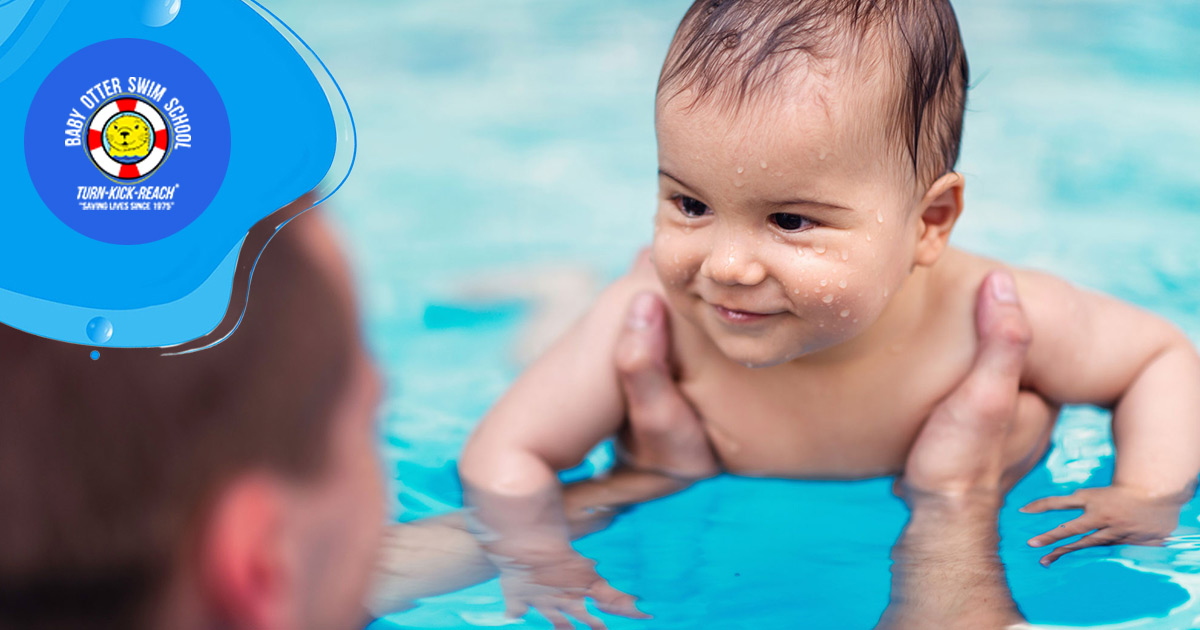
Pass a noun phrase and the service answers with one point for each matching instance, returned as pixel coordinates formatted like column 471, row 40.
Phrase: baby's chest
column 834, row 429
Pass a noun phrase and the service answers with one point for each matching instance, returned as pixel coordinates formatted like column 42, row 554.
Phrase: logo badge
column 127, row 141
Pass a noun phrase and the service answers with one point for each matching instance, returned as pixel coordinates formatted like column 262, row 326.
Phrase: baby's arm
column 562, row 406
column 1093, row 349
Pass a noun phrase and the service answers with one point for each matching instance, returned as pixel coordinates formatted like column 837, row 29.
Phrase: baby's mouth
column 738, row 316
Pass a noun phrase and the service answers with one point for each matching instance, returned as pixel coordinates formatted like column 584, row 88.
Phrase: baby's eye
column 791, row 222
column 690, row 207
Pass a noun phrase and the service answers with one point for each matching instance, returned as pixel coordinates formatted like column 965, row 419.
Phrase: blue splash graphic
column 95, row 355
column 156, row 133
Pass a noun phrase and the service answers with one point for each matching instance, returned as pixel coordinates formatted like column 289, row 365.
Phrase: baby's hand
column 1116, row 515
column 555, row 582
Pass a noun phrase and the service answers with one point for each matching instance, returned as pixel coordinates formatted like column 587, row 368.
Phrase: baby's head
column 806, row 152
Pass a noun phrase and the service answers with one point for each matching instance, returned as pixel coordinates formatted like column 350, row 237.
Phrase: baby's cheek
column 674, row 261
column 832, row 291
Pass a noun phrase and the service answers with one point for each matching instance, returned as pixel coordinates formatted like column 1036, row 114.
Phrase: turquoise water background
column 503, row 134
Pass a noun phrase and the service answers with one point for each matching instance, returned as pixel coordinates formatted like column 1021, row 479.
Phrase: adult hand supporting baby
column 946, row 571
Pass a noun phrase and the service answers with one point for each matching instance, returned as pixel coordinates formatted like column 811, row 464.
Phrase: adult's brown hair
column 106, row 465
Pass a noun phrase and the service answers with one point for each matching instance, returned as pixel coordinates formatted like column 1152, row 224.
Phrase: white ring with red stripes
column 99, row 149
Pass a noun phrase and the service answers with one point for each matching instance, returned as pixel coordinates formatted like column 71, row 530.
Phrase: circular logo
column 128, row 139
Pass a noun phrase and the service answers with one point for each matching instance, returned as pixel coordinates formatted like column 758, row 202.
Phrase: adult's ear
column 247, row 573
column 940, row 209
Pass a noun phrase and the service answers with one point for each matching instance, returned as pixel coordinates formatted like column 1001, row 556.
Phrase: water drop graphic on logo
column 126, row 160
column 160, row 12
column 99, row 330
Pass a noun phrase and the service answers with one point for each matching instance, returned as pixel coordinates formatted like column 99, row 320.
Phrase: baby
column 806, row 196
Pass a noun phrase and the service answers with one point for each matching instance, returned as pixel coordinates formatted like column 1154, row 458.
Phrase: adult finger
column 1073, row 527
column 987, row 398
column 1067, row 502
column 1099, row 538
column 1004, row 332
column 641, row 360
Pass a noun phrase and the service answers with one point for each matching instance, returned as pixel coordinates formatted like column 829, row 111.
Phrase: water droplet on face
column 845, row 255
column 845, row 313
column 800, row 251
column 842, row 284
column 778, row 238
column 821, row 156
column 99, row 330
column 879, row 216
column 676, row 258
column 820, row 249
column 741, row 170
column 796, row 291
column 824, row 283
column 763, row 164
column 95, row 355
column 868, row 238
column 739, row 184
column 885, row 293
column 827, row 299
column 159, row 12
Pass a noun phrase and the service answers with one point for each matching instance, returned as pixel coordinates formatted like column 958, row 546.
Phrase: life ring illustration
column 128, row 139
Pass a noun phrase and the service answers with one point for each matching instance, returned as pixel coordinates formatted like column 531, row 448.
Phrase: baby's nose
column 733, row 264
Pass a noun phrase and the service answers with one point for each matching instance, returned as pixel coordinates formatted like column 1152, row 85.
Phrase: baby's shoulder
column 1045, row 298
column 959, row 275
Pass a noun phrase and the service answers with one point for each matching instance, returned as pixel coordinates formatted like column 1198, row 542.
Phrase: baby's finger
column 1075, row 527
column 1068, row 502
column 556, row 618
column 515, row 609
column 1097, row 539
column 578, row 610
column 615, row 602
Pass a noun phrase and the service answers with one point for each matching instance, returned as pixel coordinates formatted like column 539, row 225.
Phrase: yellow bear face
column 128, row 136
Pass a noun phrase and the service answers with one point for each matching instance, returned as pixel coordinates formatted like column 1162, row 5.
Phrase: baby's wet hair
column 733, row 51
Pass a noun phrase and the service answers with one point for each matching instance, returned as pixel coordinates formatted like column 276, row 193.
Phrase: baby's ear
column 940, row 209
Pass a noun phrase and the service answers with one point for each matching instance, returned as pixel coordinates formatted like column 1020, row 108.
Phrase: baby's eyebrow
column 808, row 202
column 677, row 180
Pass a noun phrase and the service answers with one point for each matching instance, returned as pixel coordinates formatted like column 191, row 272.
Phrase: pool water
column 502, row 135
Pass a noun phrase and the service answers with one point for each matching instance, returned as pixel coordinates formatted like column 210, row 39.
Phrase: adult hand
column 946, row 571
column 983, row 437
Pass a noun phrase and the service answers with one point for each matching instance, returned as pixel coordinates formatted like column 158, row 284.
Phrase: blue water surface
column 504, row 134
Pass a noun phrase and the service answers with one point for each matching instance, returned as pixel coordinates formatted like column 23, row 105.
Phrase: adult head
column 233, row 487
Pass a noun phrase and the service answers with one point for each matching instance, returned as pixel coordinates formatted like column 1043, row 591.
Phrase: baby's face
column 783, row 230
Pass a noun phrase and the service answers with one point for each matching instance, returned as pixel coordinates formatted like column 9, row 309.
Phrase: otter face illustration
column 128, row 137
